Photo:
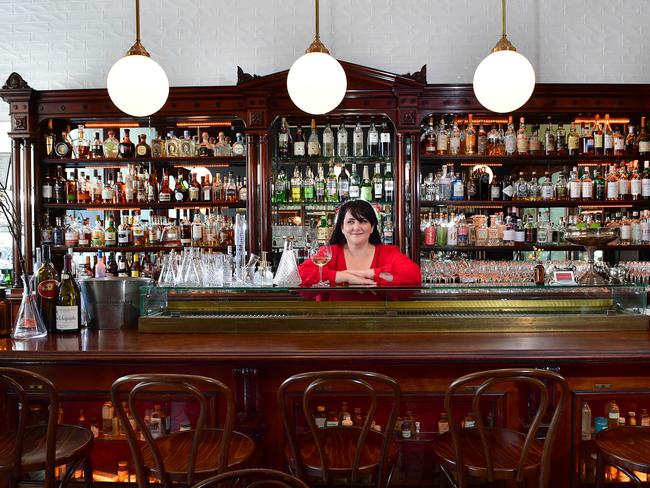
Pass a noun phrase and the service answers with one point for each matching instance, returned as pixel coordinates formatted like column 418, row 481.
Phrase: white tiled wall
column 73, row 43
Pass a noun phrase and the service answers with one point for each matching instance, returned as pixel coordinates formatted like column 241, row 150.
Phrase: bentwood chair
column 252, row 478
column 501, row 453
column 39, row 446
column 627, row 448
column 351, row 454
column 180, row 458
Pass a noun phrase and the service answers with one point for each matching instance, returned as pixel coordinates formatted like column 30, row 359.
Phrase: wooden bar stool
column 627, row 448
column 41, row 446
column 347, row 453
column 188, row 455
column 500, row 453
column 253, row 478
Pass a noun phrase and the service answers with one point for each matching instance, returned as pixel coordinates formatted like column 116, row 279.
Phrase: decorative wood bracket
column 243, row 77
column 15, row 82
column 419, row 76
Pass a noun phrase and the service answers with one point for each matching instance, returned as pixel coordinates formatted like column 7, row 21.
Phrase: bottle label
column 354, row 191
column 619, row 144
column 165, row 197
column 207, row 193
column 509, row 190
column 141, row 150
column 47, row 289
column 373, row 138
column 495, row 192
column 441, row 142
column 83, row 239
column 123, row 236
column 623, row 187
column 635, row 187
column 454, row 144
column 547, row 192
column 511, row 144
column 598, row 140
column 238, row 149
column 47, row 191
column 389, row 185
column 609, row 141
column 575, row 189
column 385, row 137
column 179, row 196
column 612, row 191
column 587, row 189
column 645, row 187
column 452, row 236
column 379, row 187
column 644, row 146
column 194, row 194
column 107, row 194
column 67, row 317
column 197, row 232
column 573, row 142
column 283, row 139
column 645, row 231
column 313, row 148
column 111, row 237
column 299, row 148
column 522, row 143
column 71, row 237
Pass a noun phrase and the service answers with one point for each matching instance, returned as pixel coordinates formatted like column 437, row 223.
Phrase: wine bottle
column 68, row 300
column 46, row 283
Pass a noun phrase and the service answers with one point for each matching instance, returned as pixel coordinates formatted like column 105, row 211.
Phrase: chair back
column 369, row 384
column 252, row 478
column 145, row 387
column 27, row 386
column 543, row 381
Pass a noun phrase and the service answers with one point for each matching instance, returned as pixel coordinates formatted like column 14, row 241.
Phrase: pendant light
column 505, row 79
column 316, row 81
column 137, row 84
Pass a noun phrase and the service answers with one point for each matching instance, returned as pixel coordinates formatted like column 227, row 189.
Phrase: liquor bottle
column 495, row 189
column 619, row 143
column 71, row 188
column 124, row 236
column 521, row 188
column 587, row 186
column 126, row 149
column 599, row 137
column 454, row 138
column 377, row 184
column 331, row 186
column 389, row 184
column 205, row 149
column 507, row 188
column 136, row 269
column 110, row 234
column 546, row 188
column 587, row 140
column 108, row 193
column 123, row 268
column 612, row 185
column 180, row 192
column 239, row 146
column 599, row 186
column 58, row 232
column 608, row 137
column 85, row 234
column 428, row 138
column 194, row 190
column 47, row 232
column 185, row 144
column 111, row 265
column 70, row 234
column 221, row 149
column 296, row 185
column 623, row 184
column 59, row 186
column 534, row 188
column 470, row 137
column 388, row 232
column 510, row 138
column 355, row 183
column 575, row 186
column 384, row 141
column 366, row 185
column 373, row 140
column 218, row 194
column 645, row 181
column 46, row 283
column 635, row 183
column 299, row 144
column 481, row 141
column 344, row 185
column 49, row 139
column 97, row 148
column 284, row 139
column 230, row 189
column 100, row 265
column 444, row 185
column 157, row 146
column 165, row 193
column 186, row 231
column 442, row 138
column 630, row 141
column 573, row 141
column 562, row 186
column 549, row 139
column 342, row 141
column 585, row 433
column 63, row 149
column 321, row 184
column 357, row 140
column 643, row 141
column 328, row 141
column 309, row 186
column 522, row 138
column 560, row 140
column 493, row 141
column 172, row 144
column 206, row 189
column 81, row 145
column 313, row 145
column 98, row 235
column 68, row 300
column 142, row 150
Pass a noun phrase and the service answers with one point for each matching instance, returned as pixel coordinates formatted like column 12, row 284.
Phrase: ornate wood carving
column 18, row 123
column 15, row 82
column 257, row 117
column 419, row 76
column 408, row 118
column 243, row 77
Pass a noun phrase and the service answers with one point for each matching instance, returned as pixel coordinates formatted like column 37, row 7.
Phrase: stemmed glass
column 320, row 257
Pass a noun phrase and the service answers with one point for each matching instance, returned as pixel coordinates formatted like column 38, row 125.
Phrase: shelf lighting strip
column 110, row 125
column 203, row 123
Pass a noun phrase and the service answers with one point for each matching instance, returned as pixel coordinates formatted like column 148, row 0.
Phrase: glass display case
column 470, row 308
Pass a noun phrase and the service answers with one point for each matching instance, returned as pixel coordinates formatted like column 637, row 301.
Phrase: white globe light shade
column 504, row 81
column 137, row 85
column 316, row 83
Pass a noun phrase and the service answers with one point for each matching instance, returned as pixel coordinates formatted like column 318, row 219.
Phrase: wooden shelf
column 137, row 206
column 64, row 249
column 194, row 161
column 529, row 247
column 536, row 204
column 534, row 159
column 327, row 159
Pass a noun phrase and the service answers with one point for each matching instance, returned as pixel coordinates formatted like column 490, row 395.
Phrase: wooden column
column 400, row 194
column 265, row 191
column 16, row 144
column 252, row 203
column 28, row 204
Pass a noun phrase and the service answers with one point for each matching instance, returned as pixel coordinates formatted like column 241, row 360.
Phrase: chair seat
column 626, row 446
column 175, row 450
column 71, row 440
column 505, row 445
column 339, row 444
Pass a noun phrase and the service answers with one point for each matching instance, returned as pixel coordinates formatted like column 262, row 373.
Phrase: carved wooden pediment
column 15, row 82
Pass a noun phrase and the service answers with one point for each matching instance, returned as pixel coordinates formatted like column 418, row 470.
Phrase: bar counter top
column 108, row 346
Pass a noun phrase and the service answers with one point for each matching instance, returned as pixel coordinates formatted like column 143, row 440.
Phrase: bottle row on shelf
column 140, row 185
column 443, row 229
column 593, row 138
column 338, row 185
column 615, row 183
column 211, row 229
column 67, row 147
column 294, row 143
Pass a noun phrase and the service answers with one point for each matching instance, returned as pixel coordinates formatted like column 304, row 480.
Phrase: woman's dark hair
column 360, row 210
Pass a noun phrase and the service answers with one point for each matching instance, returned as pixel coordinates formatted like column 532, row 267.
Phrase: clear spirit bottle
column 82, row 145
column 355, row 183
column 313, row 146
column 510, row 138
column 549, row 139
column 296, row 185
column 366, row 185
column 389, row 184
column 454, row 139
column 377, row 184
column 328, row 141
column 309, row 186
column 373, row 140
column 342, row 141
column 357, row 141
column 522, row 138
column 384, row 141
column 284, row 139
column 470, row 137
column 331, row 186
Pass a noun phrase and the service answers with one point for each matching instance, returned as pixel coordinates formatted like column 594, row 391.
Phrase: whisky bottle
column 608, row 137
column 560, row 140
column 645, row 181
column 470, row 137
column 428, row 138
column 575, row 186
column 46, row 284
column 47, row 232
column 284, row 139
column 454, row 138
column 619, row 143
column 384, row 141
column 599, row 186
column 377, row 184
column 126, row 149
column 137, row 230
column 373, row 140
column 510, row 138
column 587, row 140
column 357, row 140
column 230, row 189
column 206, row 189
column 623, row 184
column 49, row 139
column 643, row 141
column 111, row 265
column 522, row 138
column 573, row 141
column 599, row 137
column 630, row 141
column 612, row 185
column 124, row 236
column 63, row 149
column 587, row 186
column 481, row 141
column 81, row 145
column 71, row 188
column 68, row 300
column 97, row 148
column 194, row 190
column 143, row 150
column 549, row 140
column 328, row 141
column 313, row 145
column 342, row 141
column 165, row 193
column 442, row 138
column 635, row 183
column 136, row 269
column 123, row 268
column 299, row 144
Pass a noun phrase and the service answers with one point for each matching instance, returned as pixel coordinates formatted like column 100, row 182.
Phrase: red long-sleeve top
column 387, row 259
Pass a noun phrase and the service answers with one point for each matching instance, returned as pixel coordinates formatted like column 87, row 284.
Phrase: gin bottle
column 384, row 141
column 284, row 139
column 328, row 141
column 357, row 141
column 342, row 141
column 373, row 140
column 313, row 146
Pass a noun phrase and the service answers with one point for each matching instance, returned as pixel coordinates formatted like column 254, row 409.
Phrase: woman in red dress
column 358, row 256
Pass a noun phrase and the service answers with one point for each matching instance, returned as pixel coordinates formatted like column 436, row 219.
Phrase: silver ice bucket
column 112, row 303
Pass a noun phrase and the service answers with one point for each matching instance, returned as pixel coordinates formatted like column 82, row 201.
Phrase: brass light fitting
column 137, row 48
column 504, row 44
column 317, row 46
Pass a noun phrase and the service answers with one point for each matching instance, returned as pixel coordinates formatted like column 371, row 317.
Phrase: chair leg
column 88, row 472
column 600, row 470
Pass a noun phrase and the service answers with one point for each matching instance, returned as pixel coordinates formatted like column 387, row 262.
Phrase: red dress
column 387, row 259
